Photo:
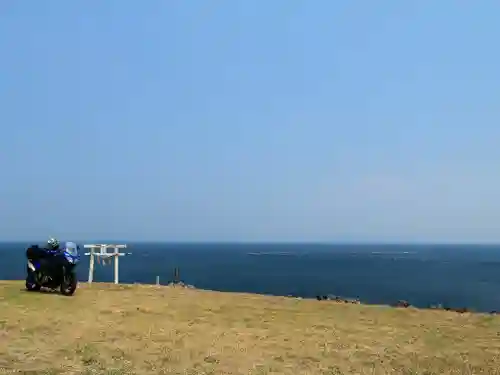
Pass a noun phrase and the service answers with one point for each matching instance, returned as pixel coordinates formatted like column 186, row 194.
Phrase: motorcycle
column 52, row 269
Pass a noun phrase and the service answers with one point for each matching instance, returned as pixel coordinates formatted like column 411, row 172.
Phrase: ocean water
column 455, row 276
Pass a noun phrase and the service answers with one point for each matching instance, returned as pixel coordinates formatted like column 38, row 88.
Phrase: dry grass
column 163, row 330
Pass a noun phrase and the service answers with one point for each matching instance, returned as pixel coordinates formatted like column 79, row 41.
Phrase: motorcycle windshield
column 71, row 248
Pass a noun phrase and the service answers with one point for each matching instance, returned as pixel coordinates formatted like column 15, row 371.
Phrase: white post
column 91, row 267
column 157, row 280
column 116, row 264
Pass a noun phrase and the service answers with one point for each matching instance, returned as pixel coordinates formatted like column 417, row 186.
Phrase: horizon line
column 273, row 242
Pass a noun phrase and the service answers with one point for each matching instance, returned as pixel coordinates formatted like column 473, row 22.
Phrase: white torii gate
column 101, row 251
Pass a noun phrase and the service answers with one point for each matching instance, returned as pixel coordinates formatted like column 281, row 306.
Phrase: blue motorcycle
column 52, row 269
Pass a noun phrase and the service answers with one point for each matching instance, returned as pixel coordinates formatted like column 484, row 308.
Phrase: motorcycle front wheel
column 69, row 284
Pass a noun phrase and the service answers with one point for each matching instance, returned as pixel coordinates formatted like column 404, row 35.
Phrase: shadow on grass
column 56, row 292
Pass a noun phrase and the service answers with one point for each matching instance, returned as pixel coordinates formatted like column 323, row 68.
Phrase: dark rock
column 403, row 303
column 181, row 284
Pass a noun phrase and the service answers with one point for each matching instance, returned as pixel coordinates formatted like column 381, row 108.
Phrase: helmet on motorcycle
column 53, row 243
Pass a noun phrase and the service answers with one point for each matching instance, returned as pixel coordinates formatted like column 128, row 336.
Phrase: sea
column 454, row 276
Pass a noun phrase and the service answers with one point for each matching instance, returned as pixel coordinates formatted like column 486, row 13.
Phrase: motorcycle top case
column 35, row 252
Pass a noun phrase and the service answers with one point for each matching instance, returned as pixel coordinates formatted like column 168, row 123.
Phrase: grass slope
column 164, row 330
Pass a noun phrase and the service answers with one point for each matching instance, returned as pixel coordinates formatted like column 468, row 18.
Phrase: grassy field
column 164, row 330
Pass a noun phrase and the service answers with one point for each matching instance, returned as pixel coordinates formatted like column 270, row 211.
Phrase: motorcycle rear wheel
column 31, row 283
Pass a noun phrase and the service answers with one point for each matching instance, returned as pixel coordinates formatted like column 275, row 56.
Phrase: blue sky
column 256, row 120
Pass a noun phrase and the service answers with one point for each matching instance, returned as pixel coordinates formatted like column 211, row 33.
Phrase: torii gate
column 103, row 254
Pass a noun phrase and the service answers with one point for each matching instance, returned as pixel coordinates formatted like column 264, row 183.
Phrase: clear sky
column 256, row 120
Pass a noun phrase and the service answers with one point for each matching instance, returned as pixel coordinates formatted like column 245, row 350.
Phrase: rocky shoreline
column 357, row 301
column 403, row 304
